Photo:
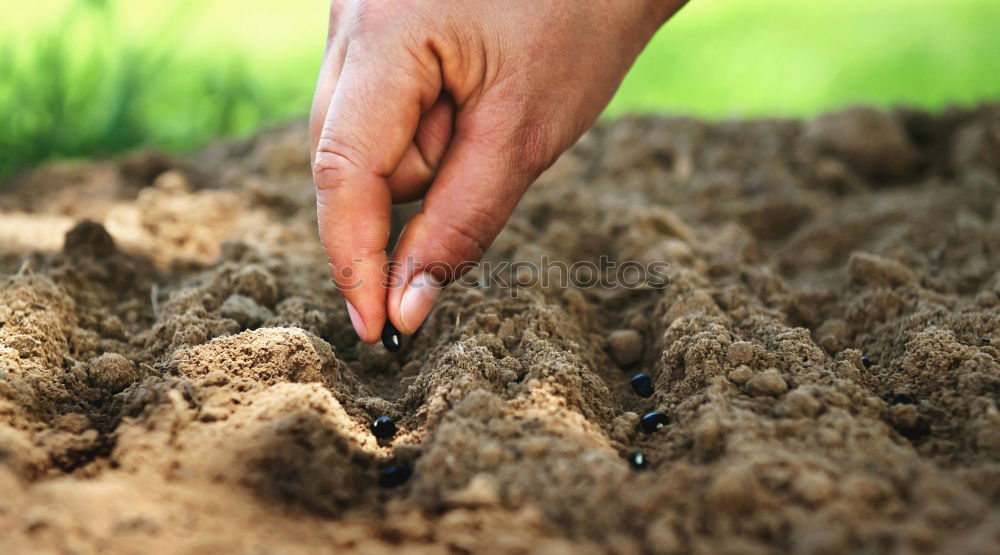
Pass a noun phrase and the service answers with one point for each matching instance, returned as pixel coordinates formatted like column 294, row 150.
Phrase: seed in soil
column 984, row 341
column 642, row 384
column 917, row 432
column 866, row 361
column 391, row 338
column 653, row 421
column 384, row 427
column 903, row 399
column 637, row 460
column 394, row 476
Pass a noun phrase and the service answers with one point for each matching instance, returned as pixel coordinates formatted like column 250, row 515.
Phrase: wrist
column 659, row 11
column 642, row 20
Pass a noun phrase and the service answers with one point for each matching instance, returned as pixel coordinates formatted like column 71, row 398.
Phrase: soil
column 182, row 377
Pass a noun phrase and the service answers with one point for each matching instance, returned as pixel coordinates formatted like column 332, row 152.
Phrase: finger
column 371, row 120
column 420, row 163
column 473, row 195
column 329, row 74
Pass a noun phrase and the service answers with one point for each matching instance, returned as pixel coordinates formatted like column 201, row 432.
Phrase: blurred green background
column 96, row 77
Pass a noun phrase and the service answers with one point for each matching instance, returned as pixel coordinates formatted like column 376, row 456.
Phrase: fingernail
column 417, row 301
column 356, row 321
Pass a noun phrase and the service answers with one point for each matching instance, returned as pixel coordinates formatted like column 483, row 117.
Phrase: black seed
column 916, row 433
column 642, row 384
column 653, row 421
column 637, row 460
column 866, row 361
column 903, row 399
column 394, row 476
column 984, row 341
column 383, row 427
column 391, row 338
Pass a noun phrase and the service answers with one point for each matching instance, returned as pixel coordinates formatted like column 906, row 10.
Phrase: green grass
column 800, row 57
column 96, row 77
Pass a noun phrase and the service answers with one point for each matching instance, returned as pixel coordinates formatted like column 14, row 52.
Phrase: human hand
column 461, row 103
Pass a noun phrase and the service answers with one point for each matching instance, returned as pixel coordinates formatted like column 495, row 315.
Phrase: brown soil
column 183, row 377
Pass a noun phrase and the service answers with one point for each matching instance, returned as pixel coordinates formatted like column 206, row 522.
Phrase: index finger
column 371, row 120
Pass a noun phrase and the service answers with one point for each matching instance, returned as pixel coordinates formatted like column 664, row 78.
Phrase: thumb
column 482, row 177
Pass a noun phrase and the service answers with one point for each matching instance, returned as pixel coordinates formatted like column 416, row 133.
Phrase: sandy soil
column 182, row 377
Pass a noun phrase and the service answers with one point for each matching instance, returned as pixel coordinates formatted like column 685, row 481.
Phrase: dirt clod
column 112, row 372
column 768, row 382
column 626, row 346
column 245, row 311
column 870, row 141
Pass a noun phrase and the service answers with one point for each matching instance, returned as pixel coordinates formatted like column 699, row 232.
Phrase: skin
column 460, row 103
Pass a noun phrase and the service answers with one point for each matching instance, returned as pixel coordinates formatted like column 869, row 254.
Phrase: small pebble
column 626, row 346
column 866, row 361
column 741, row 374
column 391, row 338
column 642, row 384
column 740, row 352
column 394, row 476
column 653, row 421
column 768, row 382
column 244, row 311
column 112, row 372
column 903, row 399
column 384, row 427
column 637, row 460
